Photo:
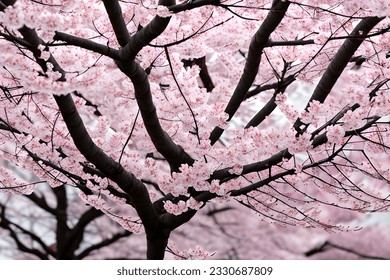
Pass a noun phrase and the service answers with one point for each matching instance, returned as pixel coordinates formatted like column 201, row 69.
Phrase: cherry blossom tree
column 52, row 224
column 155, row 110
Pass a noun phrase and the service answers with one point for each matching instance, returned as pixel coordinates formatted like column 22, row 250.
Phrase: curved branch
column 259, row 41
column 104, row 243
column 146, row 34
column 7, row 224
column 110, row 168
column 338, row 64
column 224, row 175
column 86, row 44
column 172, row 152
column 327, row 245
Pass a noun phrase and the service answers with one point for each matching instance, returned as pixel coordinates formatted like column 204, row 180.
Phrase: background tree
column 53, row 224
column 139, row 105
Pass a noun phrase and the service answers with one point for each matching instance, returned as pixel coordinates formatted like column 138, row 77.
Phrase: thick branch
column 145, row 35
column 115, row 15
column 338, row 64
column 62, row 229
column 112, row 169
column 172, row 152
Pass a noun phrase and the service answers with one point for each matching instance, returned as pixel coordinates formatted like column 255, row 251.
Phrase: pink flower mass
column 190, row 122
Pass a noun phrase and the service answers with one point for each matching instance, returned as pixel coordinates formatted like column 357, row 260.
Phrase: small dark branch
column 335, row 119
column 41, row 203
column 377, row 87
column 219, row 210
column 89, row 103
column 117, row 193
column 102, row 244
column 86, row 44
column 37, row 159
column 338, row 64
column 290, row 43
column 224, row 175
column 257, row 45
column 199, row 31
column 182, row 95
column 155, row 186
column 327, row 245
column 322, row 138
column 252, row 187
column 129, row 137
column 118, row 23
column 259, row 89
column 173, row 221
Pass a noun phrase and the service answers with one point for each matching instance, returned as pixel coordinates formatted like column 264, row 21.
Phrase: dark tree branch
column 41, row 203
column 102, row 244
column 86, row 44
column 145, row 35
column 191, row 5
column 71, row 240
column 338, row 64
column 110, row 168
column 268, row 108
column 327, row 245
column 7, row 224
column 224, row 175
column 203, row 74
column 115, row 15
column 172, row 152
column 290, row 43
column 261, row 88
column 62, row 229
column 258, row 43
